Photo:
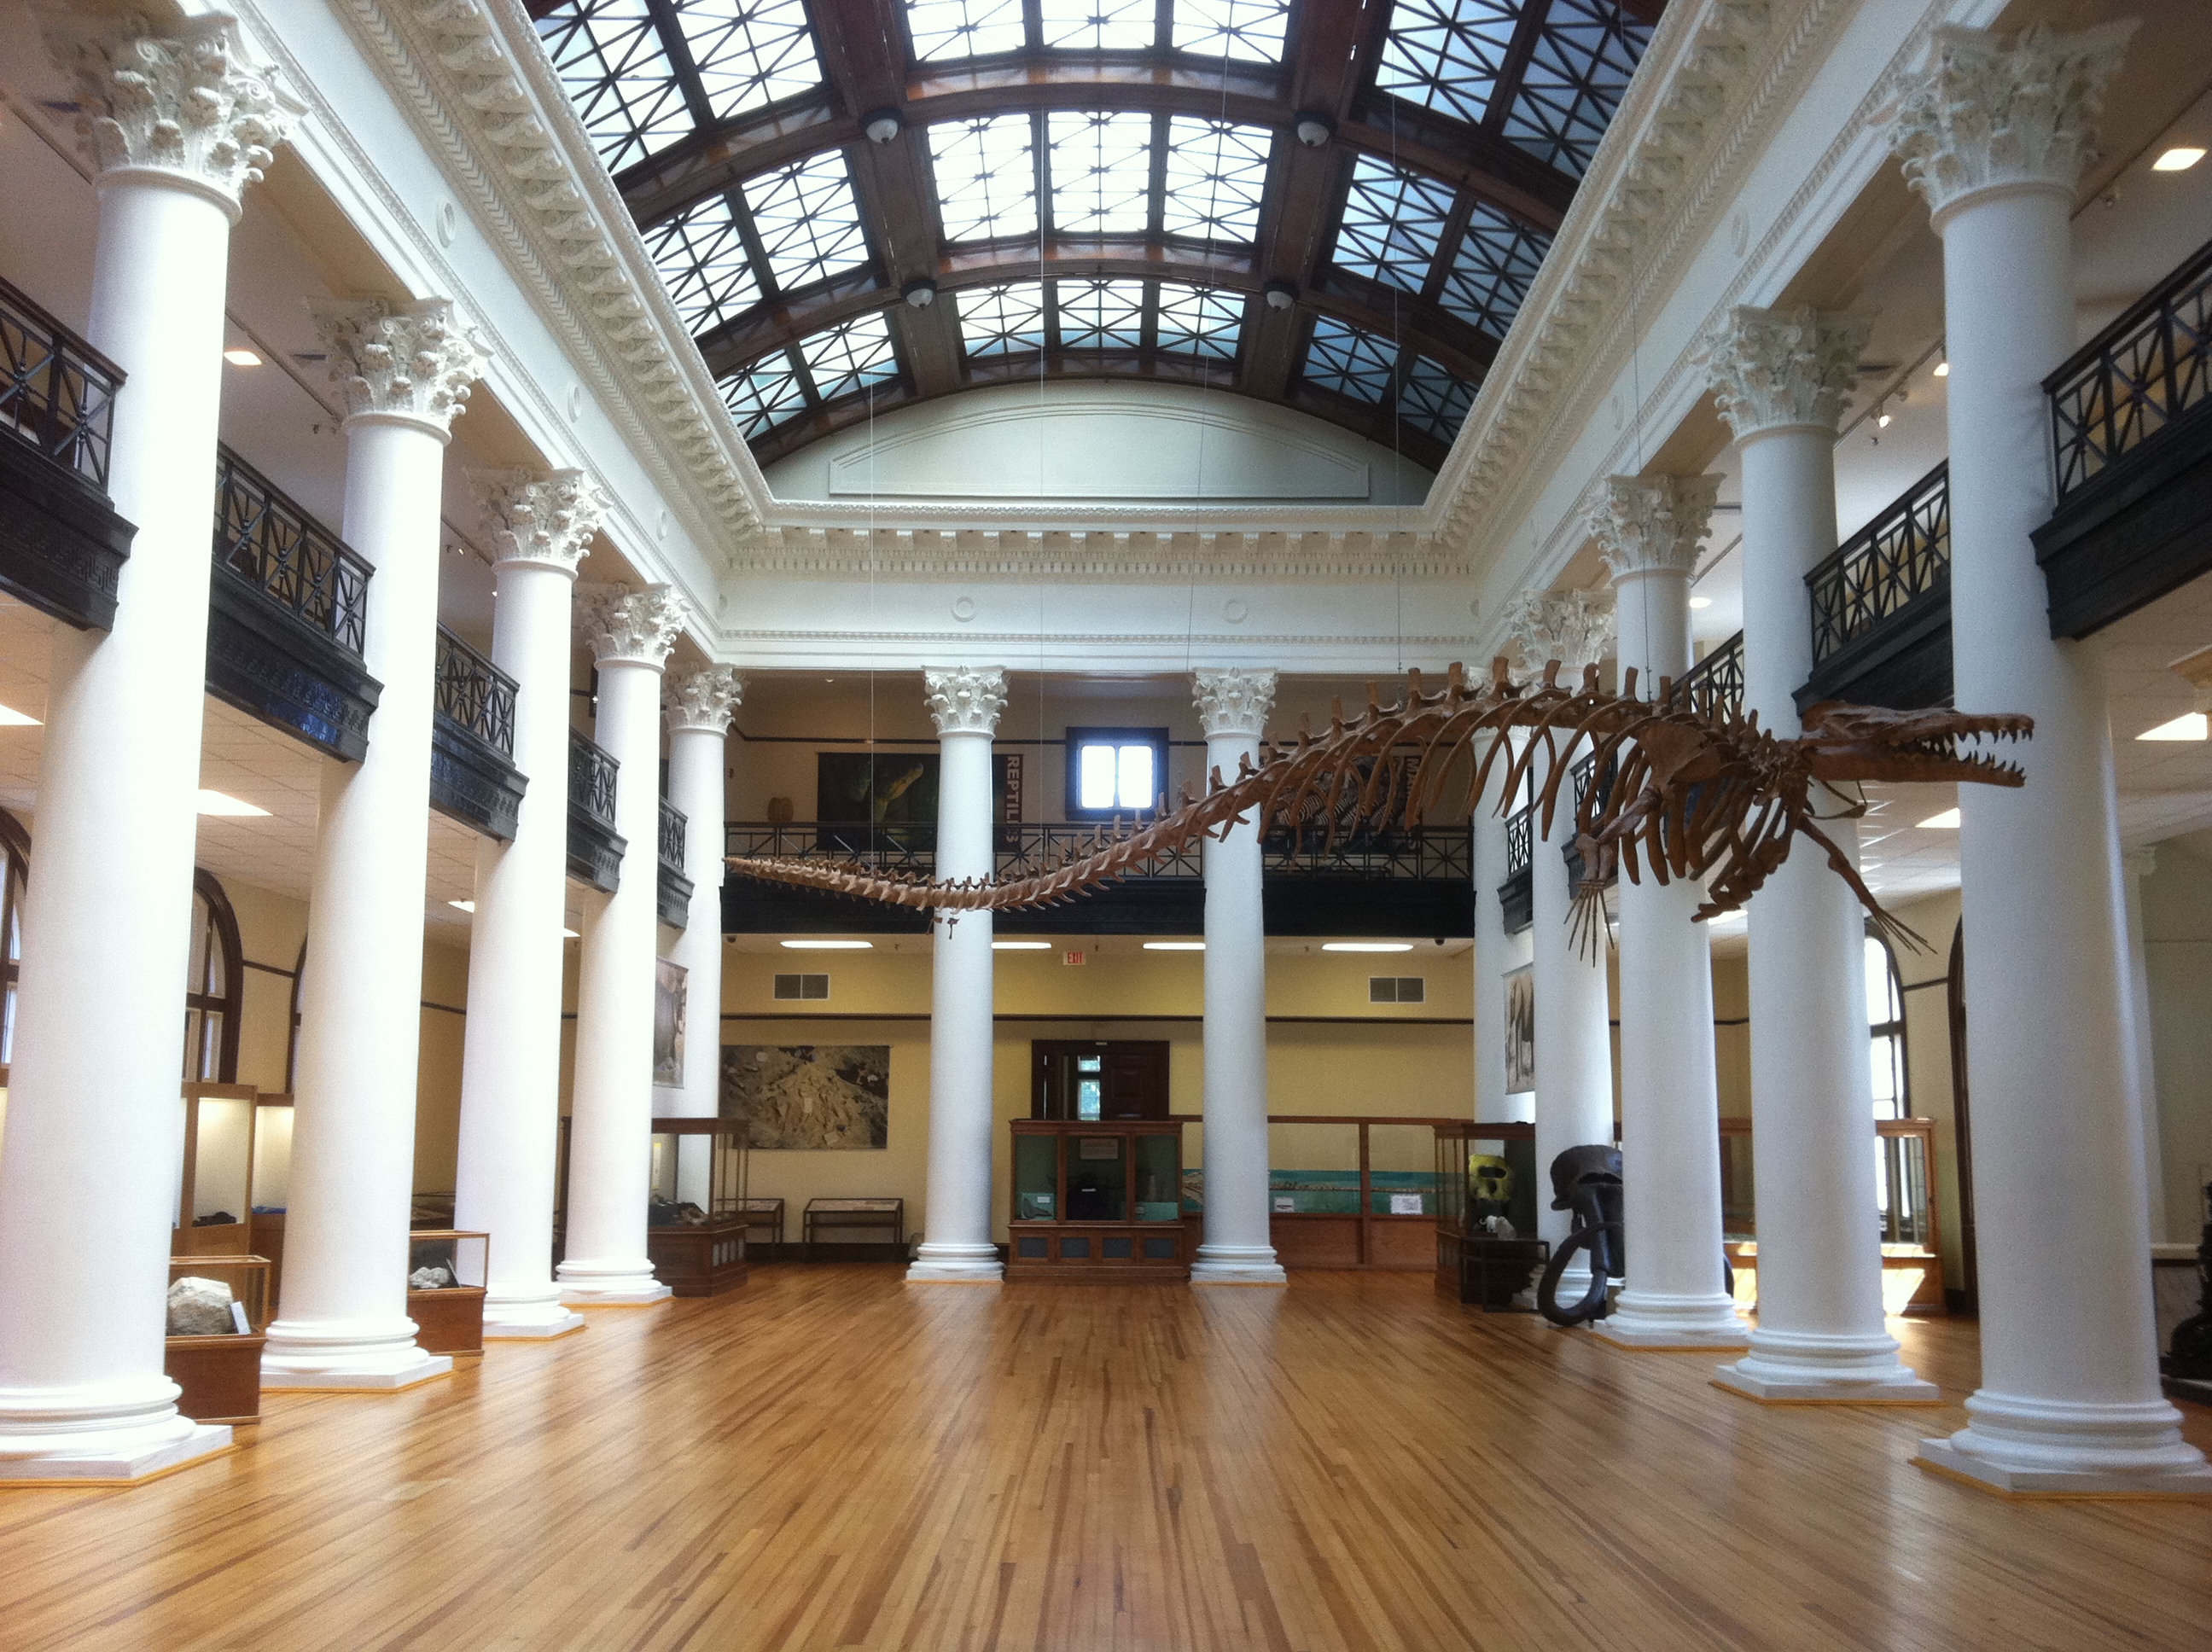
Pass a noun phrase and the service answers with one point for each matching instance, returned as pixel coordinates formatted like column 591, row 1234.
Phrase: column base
column 342, row 1354
column 122, row 1469
column 1799, row 1368
column 105, row 1434
column 1238, row 1264
column 1650, row 1322
column 2019, row 1446
column 529, row 1318
column 955, row 1264
column 610, row 1284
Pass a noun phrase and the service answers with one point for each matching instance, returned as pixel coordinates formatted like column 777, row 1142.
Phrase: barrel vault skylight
column 859, row 205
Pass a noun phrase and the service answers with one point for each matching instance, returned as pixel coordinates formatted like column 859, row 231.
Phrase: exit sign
column 1074, row 957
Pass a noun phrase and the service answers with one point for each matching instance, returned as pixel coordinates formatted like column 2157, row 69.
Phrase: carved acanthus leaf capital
column 626, row 627
column 1988, row 110
column 1771, row 368
column 705, row 699
column 1653, row 525
column 412, row 360
column 1572, row 627
column 181, row 99
column 549, row 519
column 965, row 699
column 1233, row 701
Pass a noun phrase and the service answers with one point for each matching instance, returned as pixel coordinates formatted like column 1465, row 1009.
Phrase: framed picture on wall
column 893, row 795
column 809, row 1096
column 671, row 994
column 1521, row 1030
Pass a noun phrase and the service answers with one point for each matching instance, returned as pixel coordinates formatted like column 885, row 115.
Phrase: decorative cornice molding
column 1991, row 110
column 1572, row 627
column 1653, row 525
column 1112, row 553
column 544, row 521
column 180, row 100
column 965, row 699
column 404, row 361
column 1232, row 701
column 1771, row 369
column 705, row 700
column 632, row 627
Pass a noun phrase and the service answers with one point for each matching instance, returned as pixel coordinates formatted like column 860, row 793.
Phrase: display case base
column 219, row 1378
column 449, row 1321
column 701, row 1260
column 124, row 1468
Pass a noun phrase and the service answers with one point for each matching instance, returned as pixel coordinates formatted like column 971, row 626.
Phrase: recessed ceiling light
column 1022, row 946
column 1367, row 946
column 462, row 905
column 243, row 358
column 1943, row 369
column 1947, row 821
column 1698, row 604
column 830, row 946
column 222, row 802
column 2189, row 726
column 2180, row 158
column 11, row 718
column 1175, row 946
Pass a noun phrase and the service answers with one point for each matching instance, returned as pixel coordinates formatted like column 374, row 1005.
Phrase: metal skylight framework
column 1098, row 188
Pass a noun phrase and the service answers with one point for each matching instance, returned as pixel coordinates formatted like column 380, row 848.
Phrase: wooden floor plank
column 831, row 1459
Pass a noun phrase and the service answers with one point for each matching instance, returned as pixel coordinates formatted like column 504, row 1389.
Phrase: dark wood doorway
column 1097, row 1078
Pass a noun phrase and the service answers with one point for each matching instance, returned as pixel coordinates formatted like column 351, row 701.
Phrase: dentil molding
column 1771, row 369
column 409, row 361
column 965, row 699
column 626, row 627
column 1653, row 525
column 1105, row 554
column 1232, row 701
column 705, row 700
column 549, row 519
column 1572, row 627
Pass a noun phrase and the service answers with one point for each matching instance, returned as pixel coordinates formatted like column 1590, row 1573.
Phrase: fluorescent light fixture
column 1945, row 822
column 829, row 946
column 1698, row 604
column 11, row 718
column 243, row 358
column 222, row 802
column 1943, row 369
column 1367, row 946
column 2189, row 726
column 462, row 905
column 1023, row 946
column 2180, row 158
column 1175, row 946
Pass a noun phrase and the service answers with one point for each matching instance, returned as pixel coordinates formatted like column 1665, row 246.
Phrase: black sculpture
column 2189, row 1356
column 1586, row 1182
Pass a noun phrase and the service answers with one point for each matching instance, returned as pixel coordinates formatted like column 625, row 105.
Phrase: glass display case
column 218, row 1370
column 1098, row 1203
column 1365, row 1199
column 446, row 1269
column 214, row 1195
column 696, row 1221
column 764, row 1226
column 854, row 1229
column 1489, row 1189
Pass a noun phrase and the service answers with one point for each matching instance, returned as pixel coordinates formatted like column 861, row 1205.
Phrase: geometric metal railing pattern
column 1714, row 686
column 2128, row 384
column 1520, row 841
column 592, row 775
column 56, row 391
column 475, row 693
column 265, row 538
column 673, row 829
column 1903, row 555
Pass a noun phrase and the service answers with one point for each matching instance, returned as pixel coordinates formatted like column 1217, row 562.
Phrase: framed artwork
column 671, row 996
column 809, row 1096
column 897, row 790
column 1521, row 1030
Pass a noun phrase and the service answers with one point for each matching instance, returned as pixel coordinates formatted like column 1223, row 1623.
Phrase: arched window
column 1885, row 995
column 213, row 990
column 15, row 867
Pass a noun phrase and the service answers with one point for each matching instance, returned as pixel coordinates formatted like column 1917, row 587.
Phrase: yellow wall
column 1927, row 1058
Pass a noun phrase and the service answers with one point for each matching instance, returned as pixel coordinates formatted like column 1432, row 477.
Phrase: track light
column 882, row 126
column 921, row 293
column 1313, row 128
column 1280, row 295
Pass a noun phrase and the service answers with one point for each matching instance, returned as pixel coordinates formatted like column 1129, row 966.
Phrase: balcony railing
column 266, row 539
column 2128, row 386
column 475, row 693
column 55, row 391
column 673, row 828
column 592, row 775
column 1899, row 557
column 1714, row 686
column 1520, row 841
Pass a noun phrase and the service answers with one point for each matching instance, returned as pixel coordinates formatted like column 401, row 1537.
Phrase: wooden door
column 1099, row 1079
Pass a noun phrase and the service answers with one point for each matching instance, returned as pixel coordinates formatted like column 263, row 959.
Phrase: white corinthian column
column 1647, row 529
column 610, row 1112
column 178, row 126
column 1237, row 1250
column 965, row 703
column 1574, row 1033
column 1780, row 377
column 699, row 709
column 405, row 373
column 1995, row 130
column 540, row 529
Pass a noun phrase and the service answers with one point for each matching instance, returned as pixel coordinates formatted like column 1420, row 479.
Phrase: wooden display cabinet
column 1487, row 1170
column 448, row 1318
column 218, row 1172
column 221, row 1375
column 705, row 1157
column 1097, row 1203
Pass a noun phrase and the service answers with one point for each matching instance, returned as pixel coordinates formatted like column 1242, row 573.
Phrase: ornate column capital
column 705, row 699
column 401, row 360
column 1233, row 701
column 1989, row 111
column 542, row 521
column 630, row 628
column 1770, row 369
column 2140, row 863
column 1572, row 627
column 1652, row 525
column 965, row 699
column 180, row 100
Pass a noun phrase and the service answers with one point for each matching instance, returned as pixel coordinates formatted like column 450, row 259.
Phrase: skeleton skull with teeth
column 1493, row 1181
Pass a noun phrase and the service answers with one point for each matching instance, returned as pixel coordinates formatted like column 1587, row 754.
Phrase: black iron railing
column 475, row 693
column 1581, row 775
column 1903, row 555
column 592, row 778
column 56, row 392
column 1520, row 841
column 1714, row 686
column 264, row 537
column 673, row 828
column 2128, row 384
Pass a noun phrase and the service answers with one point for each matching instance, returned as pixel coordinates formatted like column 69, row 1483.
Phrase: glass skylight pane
column 1349, row 362
column 1095, row 776
column 1199, row 320
column 1101, row 315
column 986, row 179
column 808, row 225
column 1250, row 29
column 1434, row 400
column 850, row 358
column 764, row 394
column 1446, row 54
column 1134, row 788
column 1575, row 76
column 1496, row 265
column 615, row 72
column 703, row 263
column 1392, row 221
column 1101, row 167
column 943, row 29
column 1215, row 175
column 1002, row 320
column 1098, row 25
column 749, row 52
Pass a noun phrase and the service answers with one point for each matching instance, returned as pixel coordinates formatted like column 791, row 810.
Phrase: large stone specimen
column 200, row 1307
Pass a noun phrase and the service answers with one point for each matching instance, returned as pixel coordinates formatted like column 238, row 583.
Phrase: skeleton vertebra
column 1684, row 793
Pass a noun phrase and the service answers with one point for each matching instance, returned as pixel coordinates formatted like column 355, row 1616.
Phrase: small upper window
column 1116, row 771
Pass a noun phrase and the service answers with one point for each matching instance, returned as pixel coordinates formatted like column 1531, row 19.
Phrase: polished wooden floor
column 831, row 1459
